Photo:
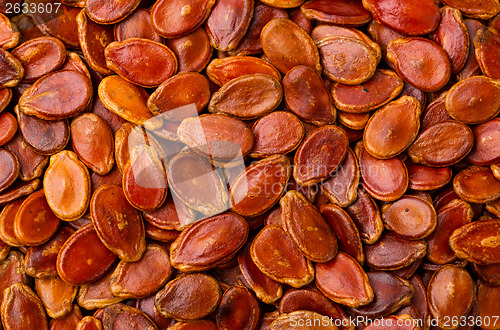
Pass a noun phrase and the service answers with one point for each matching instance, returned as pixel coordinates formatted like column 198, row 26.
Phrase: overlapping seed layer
column 245, row 164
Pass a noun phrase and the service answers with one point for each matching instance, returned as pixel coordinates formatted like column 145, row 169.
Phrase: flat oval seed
column 97, row 294
column 341, row 187
column 453, row 215
column 366, row 215
column 20, row 297
column 40, row 261
column 345, row 230
column 220, row 236
column 67, row 186
column 173, row 19
column 307, row 97
column 489, row 274
column 477, row 184
column 144, row 180
column 58, row 95
column 428, row 178
column 410, row 217
column 391, row 129
column 488, row 298
column 5, row 98
column 35, row 223
column 126, row 100
column 136, row 25
column 56, row 295
column 251, row 193
column 344, row 281
column 228, row 23
column 420, row 62
column 118, row 224
column 338, row 52
column 287, row 45
column 279, row 132
column 247, row 97
column 265, row 288
column 452, row 35
column 238, row 308
column 319, row 155
column 182, row 90
column 83, row 258
column 12, row 70
column 474, row 100
column 9, row 169
column 487, row 43
column 92, row 140
column 307, row 228
column 89, row 323
column 216, row 136
column 193, row 51
column 189, row 297
column 450, row 294
column 9, row 34
column 476, row 9
column 442, row 144
column 477, row 242
column 205, row 193
column 405, row 16
column 380, row 89
column 285, row 264
column 94, row 38
column 111, row 12
column 142, row 278
column 391, row 292
column 392, row 252
column 40, row 56
column 486, row 150
column 46, row 137
column 344, row 13
column 158, row 62
column 118, row 316
column 384, row 179
column 223, row 70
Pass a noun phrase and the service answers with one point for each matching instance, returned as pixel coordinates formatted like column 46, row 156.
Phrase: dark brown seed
column 238, row 308
column 97, row 294
column 366, row 215
column 485, row 150
column 477, row 184
column 341, row 187
column 344, row 13
column 488, row 298
column 487, row 43
column 43, row 136
column 12, row 70
column 193, row 51
column 12, row 271
column 391, row 292
column 118, row 316
column 136, row 25
column 9, row 169
column 392, row 252
column 423, row 178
